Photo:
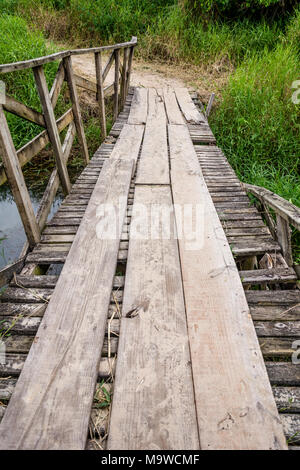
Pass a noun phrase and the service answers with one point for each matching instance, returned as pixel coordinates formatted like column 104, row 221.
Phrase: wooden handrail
column 284, row 208
column 28, row 64
column 286, row 214
column 12, row 160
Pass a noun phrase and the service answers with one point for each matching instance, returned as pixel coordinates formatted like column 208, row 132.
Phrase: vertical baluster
column 17, row 183
column 76, row 108
column 116, row 84
column 52, row 130
column 100, row 93
column 130, row 58
column 284, row 238
column 124, row 77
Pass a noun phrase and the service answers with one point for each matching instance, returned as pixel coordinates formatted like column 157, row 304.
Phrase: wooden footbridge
column 158, row 308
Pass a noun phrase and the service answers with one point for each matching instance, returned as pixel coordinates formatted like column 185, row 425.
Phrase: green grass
column 255, row 121
column 19, row 43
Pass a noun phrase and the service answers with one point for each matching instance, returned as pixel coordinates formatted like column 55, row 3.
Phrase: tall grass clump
column 257, row 124
column 17, row 43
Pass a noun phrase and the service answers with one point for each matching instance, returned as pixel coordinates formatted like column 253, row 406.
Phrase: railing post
column 284, row 238
column 75, row 107
column 130, row 58
column 100, row 92
column 51, row 126
column 124, row 77
column 116, row 83
column 17, row 183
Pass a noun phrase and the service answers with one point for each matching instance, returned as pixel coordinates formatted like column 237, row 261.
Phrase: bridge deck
column 188, row 355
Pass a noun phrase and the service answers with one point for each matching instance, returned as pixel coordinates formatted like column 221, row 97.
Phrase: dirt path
column 156, row 74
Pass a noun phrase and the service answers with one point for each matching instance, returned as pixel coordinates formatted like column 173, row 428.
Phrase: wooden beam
column 116, row 84
column 153, row 167
column 139, row 106
column 172, row 108
column 128, row 75
column 100, row 93
column 124, row 77
column 82, row 82
column 19, row 109
column 50, row 406
column 7, row 272
column 209, row 105
column 234, row 400
column 28, row 64
column 76, row 108
column 53, row 183
column 108, row 66
column 158, row 410
column 283, row 233
column 51, row 127
column 57, row 84
column 17, row 183
column 281, row 206
column 32, row 148
column 188, row 108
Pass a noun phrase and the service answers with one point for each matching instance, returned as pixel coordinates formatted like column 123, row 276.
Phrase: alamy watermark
column 296, row 94
column 2, row 92
column 2, row 353
column 296, row 353
column 153, row 222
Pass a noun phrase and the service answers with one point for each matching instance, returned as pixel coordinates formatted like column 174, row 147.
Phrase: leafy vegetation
column 254, row 119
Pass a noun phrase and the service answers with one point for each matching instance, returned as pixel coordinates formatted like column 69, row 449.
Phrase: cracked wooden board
column 234, row 401
column 153, row 404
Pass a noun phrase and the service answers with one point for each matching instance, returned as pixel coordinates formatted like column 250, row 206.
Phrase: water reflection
column 12, row 235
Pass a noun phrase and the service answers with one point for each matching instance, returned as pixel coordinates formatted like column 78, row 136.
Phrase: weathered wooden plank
column 19, row 109
column 172, row 109
column 57, row 84
column 153, row 358
column 48, row 112
column 268, row 276
column 281, row 328
column 153, row 167
column 116, row 83
column 129, row 142
column 100, row 93
column 188, row 108
column 61, row 368
column 230, row 358
column 17, row 182
column 284, row 208
column 139, row 106
column 8, row 271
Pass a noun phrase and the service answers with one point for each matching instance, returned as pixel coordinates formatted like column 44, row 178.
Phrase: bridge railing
column 286, row 215
column 13, row 160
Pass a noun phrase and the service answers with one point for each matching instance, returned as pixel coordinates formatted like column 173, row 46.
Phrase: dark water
column 12, row 235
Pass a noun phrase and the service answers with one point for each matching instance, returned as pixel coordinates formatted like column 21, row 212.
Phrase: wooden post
column 209, row 106
column 116, row 84
column 284, row 238
column 76, row 108
column 124, row 77
column 17, row 183
column 100, row 92
column 130, row 58
column 51, row 126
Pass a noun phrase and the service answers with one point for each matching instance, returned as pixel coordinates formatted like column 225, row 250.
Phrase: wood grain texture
column 234, row 401
column 188, row 108
column 172, row 108
column 139, row 107
column 51, row 403
column 153, row 403
column 129, row 142
column 153, row 167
